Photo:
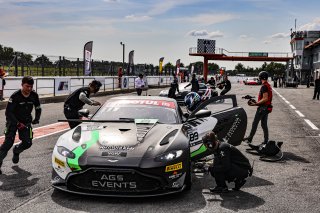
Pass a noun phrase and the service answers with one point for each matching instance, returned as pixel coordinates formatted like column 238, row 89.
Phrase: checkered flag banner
column 206, row 46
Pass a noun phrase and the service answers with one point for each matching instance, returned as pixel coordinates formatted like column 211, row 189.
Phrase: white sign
column 62, row 86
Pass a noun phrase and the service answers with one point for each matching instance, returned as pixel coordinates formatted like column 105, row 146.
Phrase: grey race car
column 141, row 146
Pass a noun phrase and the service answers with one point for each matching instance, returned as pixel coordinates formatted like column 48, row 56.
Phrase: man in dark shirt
column 78, row 99
column 194, row 84
column 316, row 88
column 19, row 117
column 174, row 86
column 264, row 108
column 212, row 82
column 226, row 84
column 229, row 164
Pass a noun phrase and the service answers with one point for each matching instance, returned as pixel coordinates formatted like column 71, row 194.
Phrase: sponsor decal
column 121, row 154
column 59, row 162
column 175, row 185
column 174, row 167
column 117, row 148
column 233, row 128
column 113, row 181
column 175, row 175
column 168, row 104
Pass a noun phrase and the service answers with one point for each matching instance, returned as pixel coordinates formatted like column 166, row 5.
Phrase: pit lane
column 274, row 187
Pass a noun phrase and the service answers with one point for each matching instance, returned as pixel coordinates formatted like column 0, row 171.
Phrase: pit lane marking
column 311, row 124
column 314, row 127
column 43, row 131
column 300, row 114
column 293, row 107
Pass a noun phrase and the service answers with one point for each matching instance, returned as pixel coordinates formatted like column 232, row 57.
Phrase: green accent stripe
column 199, row 151
column 74, row 163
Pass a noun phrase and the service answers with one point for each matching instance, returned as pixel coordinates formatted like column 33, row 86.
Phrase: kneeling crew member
column 229, row 164
column 78, row 99
column 19, row 117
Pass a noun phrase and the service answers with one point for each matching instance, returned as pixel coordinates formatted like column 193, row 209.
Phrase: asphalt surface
column 291, row 185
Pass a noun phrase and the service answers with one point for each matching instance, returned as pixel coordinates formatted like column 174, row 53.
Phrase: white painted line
column 287, row 102
column 293, row 107
column 299, row 113
column 311, row 124
column 52, row 133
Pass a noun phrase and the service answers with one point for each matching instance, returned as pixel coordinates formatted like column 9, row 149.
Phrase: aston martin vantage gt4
column 141, row 146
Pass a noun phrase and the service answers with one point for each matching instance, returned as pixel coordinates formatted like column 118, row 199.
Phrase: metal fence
column 49, row 86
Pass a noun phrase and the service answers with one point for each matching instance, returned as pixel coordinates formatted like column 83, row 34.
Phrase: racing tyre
column 188, row 180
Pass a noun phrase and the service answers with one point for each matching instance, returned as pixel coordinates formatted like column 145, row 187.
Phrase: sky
column 153, row 28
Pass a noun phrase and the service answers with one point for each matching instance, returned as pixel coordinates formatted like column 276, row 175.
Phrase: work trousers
column 25, row 135
column 261, row 114
column 234, row 173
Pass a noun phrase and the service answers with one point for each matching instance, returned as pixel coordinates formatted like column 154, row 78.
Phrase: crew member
column 174, row 86
column 3, row 74
column 225, row 84
column 78, row 99
column 229, row 164
column 194, row 84
column 212, row 82
column 139, row 84
column 19, row 117
column 264, row 108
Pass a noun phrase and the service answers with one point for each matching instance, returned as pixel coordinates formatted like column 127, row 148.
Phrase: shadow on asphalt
column 236, row 201
column 291, row 156
column 18, row 182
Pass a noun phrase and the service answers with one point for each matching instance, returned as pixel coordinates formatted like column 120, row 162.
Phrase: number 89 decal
column 193, row 136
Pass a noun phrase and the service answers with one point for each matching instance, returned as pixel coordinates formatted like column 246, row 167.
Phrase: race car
column 141, row 146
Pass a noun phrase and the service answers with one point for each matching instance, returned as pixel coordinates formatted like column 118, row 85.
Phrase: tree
column 239, row 68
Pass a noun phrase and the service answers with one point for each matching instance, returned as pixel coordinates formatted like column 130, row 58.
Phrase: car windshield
column 163, row 111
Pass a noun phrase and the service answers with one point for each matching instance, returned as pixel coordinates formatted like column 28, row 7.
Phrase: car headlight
column 169, row 156
column 76, row 134
column 65, row 152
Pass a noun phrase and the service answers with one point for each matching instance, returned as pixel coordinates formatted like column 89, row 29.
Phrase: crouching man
column 229, row 164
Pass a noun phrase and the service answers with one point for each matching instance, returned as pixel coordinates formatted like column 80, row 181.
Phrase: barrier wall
column 55, row 86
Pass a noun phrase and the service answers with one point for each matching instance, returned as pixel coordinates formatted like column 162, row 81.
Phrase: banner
column 178, row 66
column 160, row 64
column 130, row 63
column 125, row 82
column 87, row 53
column 62, row 86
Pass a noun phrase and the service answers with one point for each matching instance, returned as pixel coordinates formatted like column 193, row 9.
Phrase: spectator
column 316, row 88
column 139, row 84
column 3, row 74
column 225, row 85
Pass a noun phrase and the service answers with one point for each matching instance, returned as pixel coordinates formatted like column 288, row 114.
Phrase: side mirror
column 84, row 113
column 203, row 113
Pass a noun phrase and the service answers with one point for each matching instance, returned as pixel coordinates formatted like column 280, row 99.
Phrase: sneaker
column 238, row 184
column 219, row 189
column 247, row 139
column 15, row 158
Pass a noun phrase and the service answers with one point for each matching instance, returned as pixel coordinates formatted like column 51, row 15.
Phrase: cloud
column 112, row 1
column 243, row 36
column 135, row 18
column 197, row 33
column 314, row 25
column 165, row 5
column 207, row 19
column 267, row 42
column 280, row 35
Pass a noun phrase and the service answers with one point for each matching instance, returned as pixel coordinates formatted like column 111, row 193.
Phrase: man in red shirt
column 264, row 108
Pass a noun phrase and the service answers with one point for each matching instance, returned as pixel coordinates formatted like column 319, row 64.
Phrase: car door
column 219, row 114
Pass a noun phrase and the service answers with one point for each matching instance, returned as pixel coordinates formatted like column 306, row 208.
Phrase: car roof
column 158, row 98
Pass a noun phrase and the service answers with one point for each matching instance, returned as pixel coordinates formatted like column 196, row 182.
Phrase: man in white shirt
column 139, row 84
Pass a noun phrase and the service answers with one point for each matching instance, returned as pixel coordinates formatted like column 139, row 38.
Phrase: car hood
column 125, row 144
